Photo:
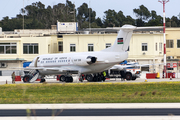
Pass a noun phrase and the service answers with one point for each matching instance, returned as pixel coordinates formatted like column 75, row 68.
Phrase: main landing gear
column 95, row 77
column 26, row 78
column 66, row 78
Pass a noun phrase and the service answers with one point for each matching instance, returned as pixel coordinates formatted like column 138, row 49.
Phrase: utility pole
column 66, row 11
column 89, row 18
column 23, row 15
column 164, row 24
column 74, row 11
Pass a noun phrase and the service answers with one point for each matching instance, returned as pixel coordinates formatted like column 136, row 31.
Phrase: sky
column 12, row 7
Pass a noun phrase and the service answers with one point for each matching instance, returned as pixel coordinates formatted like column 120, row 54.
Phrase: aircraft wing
column 62, row 69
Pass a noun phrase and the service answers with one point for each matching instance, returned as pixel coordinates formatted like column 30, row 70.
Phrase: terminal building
column 146, row 46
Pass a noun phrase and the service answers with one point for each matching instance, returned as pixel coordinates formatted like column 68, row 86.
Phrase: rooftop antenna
column 164, row 27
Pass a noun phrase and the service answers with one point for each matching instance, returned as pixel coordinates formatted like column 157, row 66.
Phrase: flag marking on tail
column 120, row 41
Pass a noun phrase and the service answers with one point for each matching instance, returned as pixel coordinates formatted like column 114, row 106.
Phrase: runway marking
column 90, row 106
column 95, row 118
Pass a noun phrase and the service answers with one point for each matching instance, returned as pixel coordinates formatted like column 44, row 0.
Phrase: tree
column 85, row 14
column 129, row 20
column 120, row 18
column 142, row 13
column 153, row 15
column 175, row 22
column 11, row 24
column 70, row 8
column 168, row 22
column 155, row 20
column 110, row 18
column 140, row 23
column 94, row 25
column 38, row 17
column 98, row 22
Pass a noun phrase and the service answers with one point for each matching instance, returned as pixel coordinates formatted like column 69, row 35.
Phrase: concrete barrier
column 18, row 78
column 151, row 75
column 4, row 78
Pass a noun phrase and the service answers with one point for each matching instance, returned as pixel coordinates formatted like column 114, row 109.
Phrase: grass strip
column 146, row 92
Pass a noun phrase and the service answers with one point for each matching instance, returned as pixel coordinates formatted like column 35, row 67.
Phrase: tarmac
column 114, row 111
column 51, row 79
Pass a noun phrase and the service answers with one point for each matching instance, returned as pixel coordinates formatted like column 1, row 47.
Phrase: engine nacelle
column 84, row 60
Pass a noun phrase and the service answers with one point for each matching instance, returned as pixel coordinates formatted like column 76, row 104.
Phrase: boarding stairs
column 34, row 75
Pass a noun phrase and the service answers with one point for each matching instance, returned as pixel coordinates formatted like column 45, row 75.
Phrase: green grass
column 91, row 93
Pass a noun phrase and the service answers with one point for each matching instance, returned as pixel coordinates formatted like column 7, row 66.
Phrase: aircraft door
column 35, row 63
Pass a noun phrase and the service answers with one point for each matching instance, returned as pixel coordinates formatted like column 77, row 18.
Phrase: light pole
column 164, row 24
column 23, row 16
column 89, row 18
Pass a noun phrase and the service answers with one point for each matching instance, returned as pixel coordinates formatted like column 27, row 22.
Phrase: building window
column 178, row 43
column 30, row 48
column 108, row 45
column 72, row 47
column 90, row 47
column 169, row 43
column 160, row 46
column 60, row 46
column 156, row 46
column 144, row 47
column 8, row 48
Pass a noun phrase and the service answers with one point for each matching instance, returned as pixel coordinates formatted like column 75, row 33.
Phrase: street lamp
column 164, row 24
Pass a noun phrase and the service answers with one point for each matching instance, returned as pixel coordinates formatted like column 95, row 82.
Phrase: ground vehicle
column 129, row 73
column 126, row 70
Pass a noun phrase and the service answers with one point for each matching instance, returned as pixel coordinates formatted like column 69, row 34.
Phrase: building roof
column 116, row 29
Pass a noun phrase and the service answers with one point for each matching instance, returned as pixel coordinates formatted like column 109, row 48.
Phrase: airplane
column 66, row 64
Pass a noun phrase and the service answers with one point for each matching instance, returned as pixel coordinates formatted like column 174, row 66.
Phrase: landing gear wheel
column 42, row 80
column 62, row 78
column 99, row 77
column 89, row 78
column 69, row 79
column 26, row 78
column 133, row 78
column 128, row 76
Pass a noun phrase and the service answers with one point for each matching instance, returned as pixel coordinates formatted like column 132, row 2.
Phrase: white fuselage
column 86, row 62
column 61, row 63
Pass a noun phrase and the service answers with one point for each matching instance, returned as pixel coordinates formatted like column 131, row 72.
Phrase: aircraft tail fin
column 122, row 41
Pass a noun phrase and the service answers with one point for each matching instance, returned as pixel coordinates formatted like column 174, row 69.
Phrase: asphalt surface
column 90, row 112
column 53, row 80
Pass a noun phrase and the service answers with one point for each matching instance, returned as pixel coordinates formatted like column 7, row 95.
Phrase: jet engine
column 84, row 60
